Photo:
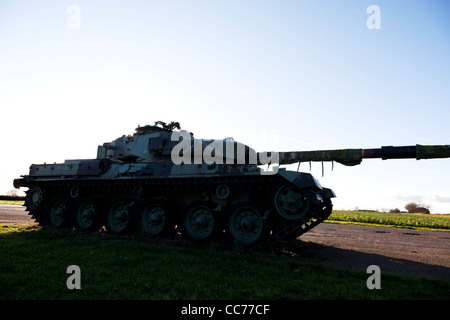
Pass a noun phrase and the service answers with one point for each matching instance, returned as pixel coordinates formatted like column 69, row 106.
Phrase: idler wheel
column 291, row 202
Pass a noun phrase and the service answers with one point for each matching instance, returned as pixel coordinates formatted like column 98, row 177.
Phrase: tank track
column 258, row 190
column 291, row 230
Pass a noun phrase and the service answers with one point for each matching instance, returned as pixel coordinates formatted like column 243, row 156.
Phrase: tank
column 161, row 181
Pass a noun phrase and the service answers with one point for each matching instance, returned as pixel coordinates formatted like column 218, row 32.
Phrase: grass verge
column 34, row 261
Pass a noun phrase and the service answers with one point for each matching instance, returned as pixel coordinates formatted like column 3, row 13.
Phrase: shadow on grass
column 33, row 263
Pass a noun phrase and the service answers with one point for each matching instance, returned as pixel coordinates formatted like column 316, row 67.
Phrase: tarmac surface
column 395, row 250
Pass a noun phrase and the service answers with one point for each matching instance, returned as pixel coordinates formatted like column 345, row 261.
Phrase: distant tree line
column 12, row 195
column 413, row 207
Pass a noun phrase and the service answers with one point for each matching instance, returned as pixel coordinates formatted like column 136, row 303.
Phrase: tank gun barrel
column 351, row 157
column 418, row 152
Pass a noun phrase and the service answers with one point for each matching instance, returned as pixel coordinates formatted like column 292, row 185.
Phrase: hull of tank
column 202, row 202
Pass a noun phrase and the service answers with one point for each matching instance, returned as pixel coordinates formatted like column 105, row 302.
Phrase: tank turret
column 161, row 181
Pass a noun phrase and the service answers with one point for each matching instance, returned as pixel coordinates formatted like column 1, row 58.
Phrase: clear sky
column 276, row 75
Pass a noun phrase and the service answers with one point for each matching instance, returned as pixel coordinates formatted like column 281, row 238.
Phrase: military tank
column 160, row 181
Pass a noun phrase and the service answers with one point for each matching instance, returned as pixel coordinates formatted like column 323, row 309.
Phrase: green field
column 34, row 261
column 398, row 220
column 19, row 202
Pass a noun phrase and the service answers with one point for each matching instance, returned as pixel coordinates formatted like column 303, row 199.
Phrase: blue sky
column 276, row 75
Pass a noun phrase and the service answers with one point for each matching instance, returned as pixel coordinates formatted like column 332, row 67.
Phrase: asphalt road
column 14, row 214
column 395, row 250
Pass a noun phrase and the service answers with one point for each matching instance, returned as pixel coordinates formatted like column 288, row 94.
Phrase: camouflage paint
column 149, row 152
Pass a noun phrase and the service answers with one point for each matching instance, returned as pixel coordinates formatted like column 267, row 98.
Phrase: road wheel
column 199, row 221
column 117, row 219
column 245, row 223
column 153, row 218
column 58, row 213
column 86, row 215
